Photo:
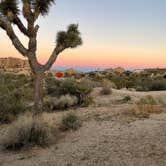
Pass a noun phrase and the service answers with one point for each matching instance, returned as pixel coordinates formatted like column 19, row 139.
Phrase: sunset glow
column 131, row 34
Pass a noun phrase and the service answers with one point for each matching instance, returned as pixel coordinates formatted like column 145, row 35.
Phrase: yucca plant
column 10, row 13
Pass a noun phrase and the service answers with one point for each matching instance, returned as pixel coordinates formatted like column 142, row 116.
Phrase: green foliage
column 106, row 87
column 52, row 84
column 28, row 131
column 151, row 85
column 42, row 5
column 126, row 99
column 70, row 122
column 106, row 91
column 69, row 39
column 14, row 92
column 149, row 100
column 79, row 89
column 11, row 106
column 61, row 103
column 7, row 6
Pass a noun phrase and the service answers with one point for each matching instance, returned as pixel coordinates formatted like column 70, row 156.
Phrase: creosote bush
column 70, row 122
column 28, row 131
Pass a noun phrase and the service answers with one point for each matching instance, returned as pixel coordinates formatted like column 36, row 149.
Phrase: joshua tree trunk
column 38, row 92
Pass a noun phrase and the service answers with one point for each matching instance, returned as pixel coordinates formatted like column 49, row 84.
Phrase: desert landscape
column 82, row 83
column 117, row 126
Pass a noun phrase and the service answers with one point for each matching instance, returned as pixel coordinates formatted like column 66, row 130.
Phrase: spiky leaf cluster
column 42, row 6
column 70, row 38
column 9, row 6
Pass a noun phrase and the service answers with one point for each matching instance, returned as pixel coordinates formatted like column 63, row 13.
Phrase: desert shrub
column 79, row 89
column 157, row 85
column 89, row 82
column 106, row 91
column 26, row 93
column 126, row 99
column 151, row 85
column 149, row 100
column 70, row 122
column 10, row 107
column 146, row 106
column 51, row 85
column 28, row 131
column 63, row 102
column 106, row 87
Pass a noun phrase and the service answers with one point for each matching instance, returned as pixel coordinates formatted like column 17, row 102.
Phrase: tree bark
column 38, row 92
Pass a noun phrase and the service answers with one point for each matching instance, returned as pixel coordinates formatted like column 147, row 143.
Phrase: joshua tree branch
column 6, row 25
column 2, row 23
column 20, row 25
column 58, row 49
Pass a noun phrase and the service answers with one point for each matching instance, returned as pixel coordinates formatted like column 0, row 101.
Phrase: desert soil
column 109, row 136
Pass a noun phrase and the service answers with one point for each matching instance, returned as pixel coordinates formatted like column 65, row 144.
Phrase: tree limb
column 20, row 25
column 6, row 25
column 2, row 23
column 58, row 49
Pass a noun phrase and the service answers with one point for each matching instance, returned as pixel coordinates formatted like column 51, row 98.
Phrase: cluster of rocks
column 15, row 65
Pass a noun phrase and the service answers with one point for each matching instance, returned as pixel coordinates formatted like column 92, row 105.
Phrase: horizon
column 115, row 33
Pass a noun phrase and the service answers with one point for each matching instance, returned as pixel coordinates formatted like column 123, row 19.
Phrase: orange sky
column 130, row 33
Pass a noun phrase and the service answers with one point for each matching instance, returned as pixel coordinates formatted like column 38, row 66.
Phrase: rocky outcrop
column 13, row 63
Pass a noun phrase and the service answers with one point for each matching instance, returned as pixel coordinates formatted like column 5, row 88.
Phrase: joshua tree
column 10, row 13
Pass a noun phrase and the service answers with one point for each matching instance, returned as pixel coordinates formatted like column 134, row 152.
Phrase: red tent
column 58, row 74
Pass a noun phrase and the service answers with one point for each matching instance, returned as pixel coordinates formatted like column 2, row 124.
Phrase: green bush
column 79, row 89
column 51, row 85
column 63, row 102
column 148, row 100
column 106, row 91
column 27, row 131
column 106, row 87
column 70, row 122
column 151, row 85
column 126, row 99
column 10, row 107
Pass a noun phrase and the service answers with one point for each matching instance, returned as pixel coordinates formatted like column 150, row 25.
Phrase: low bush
column 28, row 131
column 106, row 91
column 151, row 85
column 81, row 90
column 63, row 102
column 146, row 106
column 70, row 122
column 127, row 99
column 10, row 107
column 106, row 87
column 148, row 100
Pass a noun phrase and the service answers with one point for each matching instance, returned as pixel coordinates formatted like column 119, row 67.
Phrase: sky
column 126, row 33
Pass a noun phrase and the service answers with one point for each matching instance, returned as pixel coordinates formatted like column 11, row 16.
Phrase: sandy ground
column 109, row 136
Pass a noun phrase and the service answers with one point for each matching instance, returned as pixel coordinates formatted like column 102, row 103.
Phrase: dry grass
column 29, row 131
